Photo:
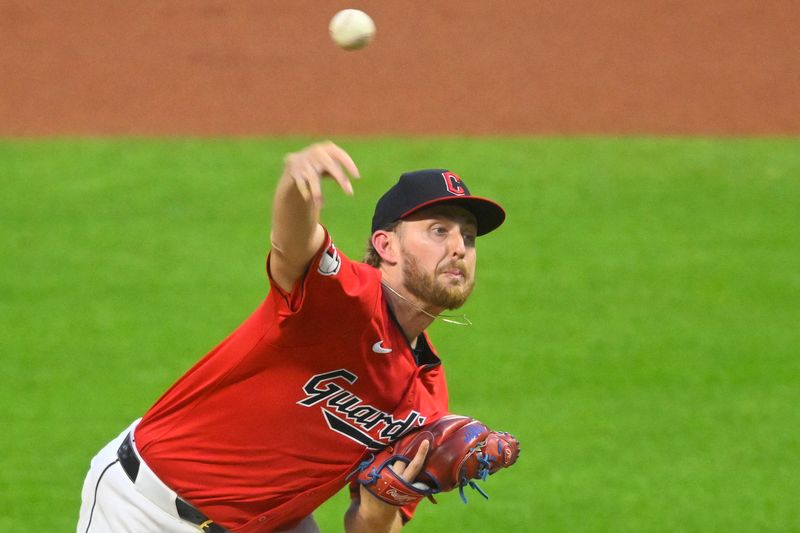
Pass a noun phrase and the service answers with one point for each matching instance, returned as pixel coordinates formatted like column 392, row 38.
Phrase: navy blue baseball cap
column 424, row 188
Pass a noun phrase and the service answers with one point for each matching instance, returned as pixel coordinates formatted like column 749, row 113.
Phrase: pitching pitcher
column 330, row 370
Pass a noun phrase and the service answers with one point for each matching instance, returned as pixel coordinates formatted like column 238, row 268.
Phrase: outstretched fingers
column 307, row 168
column 344, row 159
column 330, row 163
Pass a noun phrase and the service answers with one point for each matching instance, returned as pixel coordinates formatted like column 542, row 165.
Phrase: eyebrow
column 464, row 218
column 464, row 222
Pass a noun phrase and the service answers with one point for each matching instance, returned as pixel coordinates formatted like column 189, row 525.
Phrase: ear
column 387, row 246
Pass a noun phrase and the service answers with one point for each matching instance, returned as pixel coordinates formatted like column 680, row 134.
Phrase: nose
column 458, row 247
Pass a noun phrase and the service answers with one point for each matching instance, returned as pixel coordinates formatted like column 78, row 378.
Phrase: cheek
column 471, row 261
column 472, row 257
column 428, row 254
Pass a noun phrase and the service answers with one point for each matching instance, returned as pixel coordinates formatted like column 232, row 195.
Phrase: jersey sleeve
column 335, row 294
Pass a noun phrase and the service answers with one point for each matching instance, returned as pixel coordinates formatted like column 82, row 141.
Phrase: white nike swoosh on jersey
column 378, row 348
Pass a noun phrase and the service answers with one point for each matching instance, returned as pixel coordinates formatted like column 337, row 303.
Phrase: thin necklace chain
column 458, row 320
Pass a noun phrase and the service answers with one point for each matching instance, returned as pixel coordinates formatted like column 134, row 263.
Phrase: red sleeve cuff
column 294, row 299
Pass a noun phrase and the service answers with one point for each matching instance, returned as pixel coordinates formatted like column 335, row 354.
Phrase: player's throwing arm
column 296, row 232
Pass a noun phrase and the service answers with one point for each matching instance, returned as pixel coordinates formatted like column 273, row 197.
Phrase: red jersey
column 268, row 425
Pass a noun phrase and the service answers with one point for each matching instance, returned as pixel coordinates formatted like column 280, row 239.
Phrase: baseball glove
column 461, row 450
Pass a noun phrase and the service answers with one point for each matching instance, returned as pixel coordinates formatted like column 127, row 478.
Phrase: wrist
column 369, row 514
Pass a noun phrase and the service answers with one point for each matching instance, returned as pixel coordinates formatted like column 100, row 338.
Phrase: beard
column 430, row 290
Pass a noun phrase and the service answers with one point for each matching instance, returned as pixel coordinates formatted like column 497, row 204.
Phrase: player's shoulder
column 335, row 271
column 331, row 259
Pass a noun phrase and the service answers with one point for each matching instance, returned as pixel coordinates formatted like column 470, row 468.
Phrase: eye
column 439, row 230
column 469, row 239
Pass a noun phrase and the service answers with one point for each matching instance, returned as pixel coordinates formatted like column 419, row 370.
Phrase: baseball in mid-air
column 351, row 29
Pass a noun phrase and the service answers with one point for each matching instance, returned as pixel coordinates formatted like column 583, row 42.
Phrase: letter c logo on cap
column 453, row 184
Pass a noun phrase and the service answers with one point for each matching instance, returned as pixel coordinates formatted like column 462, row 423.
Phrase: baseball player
column 333, row 365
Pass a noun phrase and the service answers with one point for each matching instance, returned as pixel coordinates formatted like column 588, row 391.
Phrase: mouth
column 454, row 274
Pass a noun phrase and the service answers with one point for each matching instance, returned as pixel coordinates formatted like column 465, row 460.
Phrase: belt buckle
column 206, row 524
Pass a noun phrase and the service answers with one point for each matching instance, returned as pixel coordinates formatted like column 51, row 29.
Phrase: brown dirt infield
column 263, row 67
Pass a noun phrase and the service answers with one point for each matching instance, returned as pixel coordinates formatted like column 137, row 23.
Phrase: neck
column 412, row 317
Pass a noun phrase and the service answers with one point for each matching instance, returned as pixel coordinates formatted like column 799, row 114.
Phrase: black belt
column 130, row 464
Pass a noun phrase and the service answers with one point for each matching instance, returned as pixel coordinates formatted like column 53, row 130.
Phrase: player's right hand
column 307, row 167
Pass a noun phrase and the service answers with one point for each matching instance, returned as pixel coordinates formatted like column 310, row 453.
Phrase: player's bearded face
column 437, row 288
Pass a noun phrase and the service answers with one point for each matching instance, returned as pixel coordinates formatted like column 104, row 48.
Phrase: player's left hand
column 458, row 451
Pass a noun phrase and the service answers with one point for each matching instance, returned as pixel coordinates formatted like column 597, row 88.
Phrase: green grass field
column 635, row 321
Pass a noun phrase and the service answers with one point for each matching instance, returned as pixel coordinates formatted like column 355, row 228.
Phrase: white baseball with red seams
column 352, row 29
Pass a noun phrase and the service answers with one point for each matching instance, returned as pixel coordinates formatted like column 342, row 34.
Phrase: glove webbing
column 484, row 469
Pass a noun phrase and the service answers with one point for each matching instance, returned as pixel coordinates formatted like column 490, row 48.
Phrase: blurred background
column 635, row 320
column 255, row 67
